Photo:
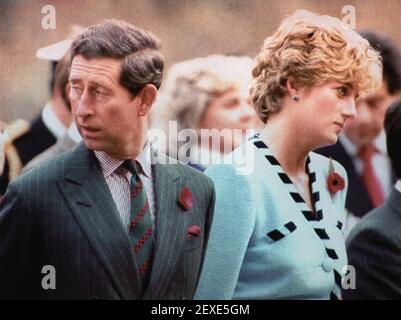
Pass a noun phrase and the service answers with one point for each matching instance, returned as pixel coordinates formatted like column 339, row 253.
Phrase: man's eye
column 99, row 92
column 372, row 104
column 76, row 89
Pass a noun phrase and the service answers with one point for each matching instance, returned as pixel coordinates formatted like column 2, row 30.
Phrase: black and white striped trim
column 313, row 219
column 322, row 234
column 278, row 234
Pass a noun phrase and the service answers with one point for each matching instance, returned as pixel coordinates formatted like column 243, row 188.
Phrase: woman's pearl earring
column 295, row 98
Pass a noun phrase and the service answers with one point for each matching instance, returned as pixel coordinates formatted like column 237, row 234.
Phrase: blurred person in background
column 207, row 93
column 71, row 136
column 11, row 163
column 361, row 148
column 374, row 245
column 276, row 232
column 23, row 140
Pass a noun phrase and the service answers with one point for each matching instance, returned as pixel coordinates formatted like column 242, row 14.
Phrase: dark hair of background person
column 53, row 65
column 61, row 75
column 141, row 64
column 392, row 125
column 391, row 56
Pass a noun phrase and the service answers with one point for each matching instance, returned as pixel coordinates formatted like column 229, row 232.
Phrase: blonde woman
column 211, row 95
column 276, row 232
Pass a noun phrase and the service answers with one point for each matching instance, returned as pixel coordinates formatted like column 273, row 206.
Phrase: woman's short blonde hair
column 191, row 85
column 312, row 49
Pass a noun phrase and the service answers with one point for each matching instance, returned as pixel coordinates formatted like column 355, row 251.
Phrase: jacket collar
column 90, row 200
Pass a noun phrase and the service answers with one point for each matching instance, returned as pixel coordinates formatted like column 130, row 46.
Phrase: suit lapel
column 90, row 200
column 265, row 161
column 171, row 229
column 325, row 202
column 394, row 200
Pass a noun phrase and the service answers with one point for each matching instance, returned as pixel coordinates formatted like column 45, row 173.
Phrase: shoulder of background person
column 34, row 141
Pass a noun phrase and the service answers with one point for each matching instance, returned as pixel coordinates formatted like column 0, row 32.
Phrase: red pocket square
column 194, row 231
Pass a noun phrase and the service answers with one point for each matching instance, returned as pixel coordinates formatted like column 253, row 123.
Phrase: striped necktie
column 141, row 227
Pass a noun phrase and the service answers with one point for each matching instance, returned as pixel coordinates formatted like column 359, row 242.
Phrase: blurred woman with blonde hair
column 276, row 231
column 208, row 99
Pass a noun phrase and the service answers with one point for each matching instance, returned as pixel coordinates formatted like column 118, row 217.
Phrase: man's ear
column 147, row 96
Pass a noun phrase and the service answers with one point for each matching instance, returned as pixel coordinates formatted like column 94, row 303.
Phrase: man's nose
column 84, row 106
column 364, row 114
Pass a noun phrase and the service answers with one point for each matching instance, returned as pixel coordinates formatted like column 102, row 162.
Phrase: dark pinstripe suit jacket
column 374, row 249
column 62, row 145
column 62, row 214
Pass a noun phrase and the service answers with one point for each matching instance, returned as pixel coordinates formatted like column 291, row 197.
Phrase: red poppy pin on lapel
column 185, row 199
column 335, row 182
column 194, row 231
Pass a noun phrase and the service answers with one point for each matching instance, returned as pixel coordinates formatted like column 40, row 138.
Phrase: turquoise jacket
column 265, row 243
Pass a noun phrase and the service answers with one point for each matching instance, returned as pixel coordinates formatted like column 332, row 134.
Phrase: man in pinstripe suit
column 374, row 245
column 76, row 212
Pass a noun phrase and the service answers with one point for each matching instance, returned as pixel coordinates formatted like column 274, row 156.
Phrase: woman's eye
column 343, row 91
column 232, row 104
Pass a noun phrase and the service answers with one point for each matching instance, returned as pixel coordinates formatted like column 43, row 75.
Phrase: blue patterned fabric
column 265, row 242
